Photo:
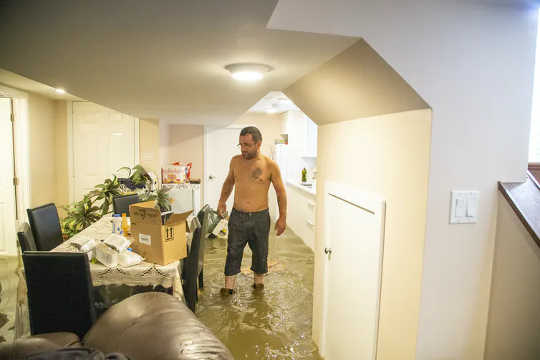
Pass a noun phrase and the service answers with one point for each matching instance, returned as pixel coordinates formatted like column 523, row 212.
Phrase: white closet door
column 104, row 140
column 353, row 238
column 8, row 236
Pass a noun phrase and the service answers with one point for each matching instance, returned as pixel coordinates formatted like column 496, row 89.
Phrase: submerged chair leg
column 201, row 281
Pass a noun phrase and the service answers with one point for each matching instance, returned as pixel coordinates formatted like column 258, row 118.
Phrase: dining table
column 142, row 274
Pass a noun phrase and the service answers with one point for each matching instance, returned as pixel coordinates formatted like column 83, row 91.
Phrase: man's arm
column 226, row 191
column 277, row 182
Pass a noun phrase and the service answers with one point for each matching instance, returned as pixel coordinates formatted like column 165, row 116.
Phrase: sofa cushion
column 154, row 326
column 21, row 348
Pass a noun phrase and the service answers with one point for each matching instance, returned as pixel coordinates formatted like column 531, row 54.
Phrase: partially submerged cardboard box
column 156, row 242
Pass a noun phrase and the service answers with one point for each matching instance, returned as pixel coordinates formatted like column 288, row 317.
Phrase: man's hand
column 281, row 224
column 222, row 209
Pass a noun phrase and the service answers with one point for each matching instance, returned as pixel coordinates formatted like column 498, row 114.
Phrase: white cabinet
column 301, row 210
column 301, row 131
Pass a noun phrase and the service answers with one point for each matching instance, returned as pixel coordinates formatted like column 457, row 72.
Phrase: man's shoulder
column 269, row 162
column 235, row 158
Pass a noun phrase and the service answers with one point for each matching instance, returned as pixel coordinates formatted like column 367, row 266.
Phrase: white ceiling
column 20, row 82
column 158, row 59
column 275, row 102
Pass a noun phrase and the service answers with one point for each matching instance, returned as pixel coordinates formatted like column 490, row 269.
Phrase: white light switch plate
column 464, row 207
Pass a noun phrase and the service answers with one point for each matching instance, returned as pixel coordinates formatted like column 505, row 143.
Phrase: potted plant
column 97, row 202
column 79, row 216
column 106, row 192
column 161, row 196
column 137, row 178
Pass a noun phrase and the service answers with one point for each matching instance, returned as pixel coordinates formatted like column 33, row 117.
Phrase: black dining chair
column 193, row 265
column 204, row 216
column 190, row 271
column 60, row 296
column 121, row 203
column 26, row 239
column 45, row 226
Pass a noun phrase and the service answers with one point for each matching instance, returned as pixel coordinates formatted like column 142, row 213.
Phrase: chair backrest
column 204, row 216
column 45, row 226
column 60, row 294
column 190, row 270
column 26, row 239
column 121, row 203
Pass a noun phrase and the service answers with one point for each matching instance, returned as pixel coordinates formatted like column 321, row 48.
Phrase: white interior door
column 220, row 148
column 104, row 140
column 354, row 233
column 8, row 236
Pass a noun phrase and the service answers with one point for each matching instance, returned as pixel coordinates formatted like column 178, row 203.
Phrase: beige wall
column 48, row 150
column 455, row 54
column 185, row 144
column 268, row 124
column 355, row 84
column 389, row 155
column 149, row 143
column 42, row 149
column 61, row 154
column 513, row 330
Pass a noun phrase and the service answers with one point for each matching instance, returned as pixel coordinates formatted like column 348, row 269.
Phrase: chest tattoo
column 256, row 173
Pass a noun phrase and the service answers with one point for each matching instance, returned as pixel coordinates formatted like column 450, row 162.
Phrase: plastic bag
column 117, row 242
column 221, row 228
column 106, row 255
column 210, row 219
column 129, row 258
column 175, row 173
column 83, row 243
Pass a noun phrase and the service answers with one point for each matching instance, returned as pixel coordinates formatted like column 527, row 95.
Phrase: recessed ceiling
column 275, row 102
column 163, row 60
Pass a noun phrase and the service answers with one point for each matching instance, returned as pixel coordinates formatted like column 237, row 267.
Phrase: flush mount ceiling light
column 248, row 72
column 60, row 91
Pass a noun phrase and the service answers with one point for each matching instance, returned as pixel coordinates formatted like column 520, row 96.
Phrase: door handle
column 328, row 251
column 211, row 177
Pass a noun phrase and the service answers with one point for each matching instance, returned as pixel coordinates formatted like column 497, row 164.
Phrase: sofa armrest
column 21, row 348
column 154, row 325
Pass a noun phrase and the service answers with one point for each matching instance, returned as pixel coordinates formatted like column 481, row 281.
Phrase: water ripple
column 275, row 324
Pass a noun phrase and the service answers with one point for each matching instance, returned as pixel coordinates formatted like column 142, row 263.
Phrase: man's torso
column 252, row 180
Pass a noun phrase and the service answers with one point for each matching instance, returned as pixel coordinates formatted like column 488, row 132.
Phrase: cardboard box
column 156, row 242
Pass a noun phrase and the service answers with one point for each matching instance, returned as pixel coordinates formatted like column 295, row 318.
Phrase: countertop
column 309, row 190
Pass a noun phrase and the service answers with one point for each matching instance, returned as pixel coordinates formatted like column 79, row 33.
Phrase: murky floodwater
column 274, row 324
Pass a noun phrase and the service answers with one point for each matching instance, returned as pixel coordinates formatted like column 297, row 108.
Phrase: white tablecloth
column 143, row 274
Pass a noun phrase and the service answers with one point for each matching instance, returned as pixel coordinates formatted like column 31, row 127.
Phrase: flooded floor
column 8, row 294
column 274, row 324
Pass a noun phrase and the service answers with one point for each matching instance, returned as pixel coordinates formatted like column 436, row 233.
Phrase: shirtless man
column 251, row 174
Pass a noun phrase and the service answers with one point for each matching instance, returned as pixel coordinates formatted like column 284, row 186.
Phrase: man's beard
column 249, row 156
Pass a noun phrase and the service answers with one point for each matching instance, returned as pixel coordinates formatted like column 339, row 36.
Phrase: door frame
column 71, row 148
column 207, row 128
column 21, row 153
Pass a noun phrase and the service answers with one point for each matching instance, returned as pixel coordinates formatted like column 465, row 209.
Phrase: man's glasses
column 244, row 145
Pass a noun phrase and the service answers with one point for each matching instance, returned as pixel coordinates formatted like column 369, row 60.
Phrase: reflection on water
column 274, row 324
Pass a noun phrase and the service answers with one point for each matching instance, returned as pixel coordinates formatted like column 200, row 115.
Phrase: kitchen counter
column 301, row 211
column 310, row 190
